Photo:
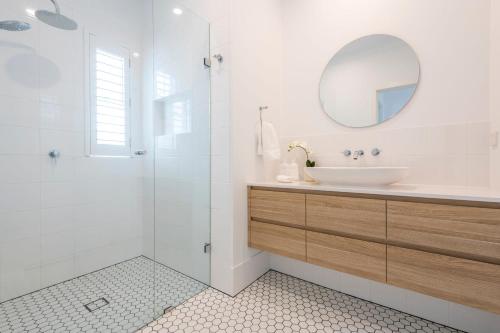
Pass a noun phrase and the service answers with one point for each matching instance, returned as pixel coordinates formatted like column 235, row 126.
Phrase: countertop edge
column 483, row 195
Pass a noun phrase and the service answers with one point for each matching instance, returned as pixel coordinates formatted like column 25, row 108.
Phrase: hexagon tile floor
column 281, row 303
column 128, row 287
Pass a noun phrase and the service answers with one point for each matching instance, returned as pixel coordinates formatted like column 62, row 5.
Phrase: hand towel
column 268, row 144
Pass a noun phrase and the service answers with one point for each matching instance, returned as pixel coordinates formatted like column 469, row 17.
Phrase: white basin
column 359, row 176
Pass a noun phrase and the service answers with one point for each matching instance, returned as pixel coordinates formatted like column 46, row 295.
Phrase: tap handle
column 347, row 152
column 54, row 154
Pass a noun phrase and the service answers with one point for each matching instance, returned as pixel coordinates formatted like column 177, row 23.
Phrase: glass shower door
column 182, row 153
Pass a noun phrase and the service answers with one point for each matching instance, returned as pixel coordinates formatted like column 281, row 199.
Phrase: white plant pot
column 307, row 177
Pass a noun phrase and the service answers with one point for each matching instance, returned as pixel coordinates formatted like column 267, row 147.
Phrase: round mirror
column 369, row 81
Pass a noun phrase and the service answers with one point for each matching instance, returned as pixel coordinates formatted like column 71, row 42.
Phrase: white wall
column 61, row 220
column 255, row 81
column 442, row 133
column 495, row 90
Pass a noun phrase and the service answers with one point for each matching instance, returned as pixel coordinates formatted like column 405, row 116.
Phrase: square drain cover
column 97, row 304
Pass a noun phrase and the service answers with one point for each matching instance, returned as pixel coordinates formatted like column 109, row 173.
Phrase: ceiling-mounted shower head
column 14, row 26
column 56, row 19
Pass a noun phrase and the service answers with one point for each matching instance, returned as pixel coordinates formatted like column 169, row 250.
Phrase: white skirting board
column 440, row 311
column 249, row 271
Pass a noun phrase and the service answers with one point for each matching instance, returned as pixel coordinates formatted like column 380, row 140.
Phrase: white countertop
column 419, row 191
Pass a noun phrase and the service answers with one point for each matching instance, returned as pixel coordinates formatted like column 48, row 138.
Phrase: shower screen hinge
column 207, row 62
column 207, row 247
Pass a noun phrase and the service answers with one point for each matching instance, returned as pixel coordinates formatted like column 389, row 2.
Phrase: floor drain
column 97, row 304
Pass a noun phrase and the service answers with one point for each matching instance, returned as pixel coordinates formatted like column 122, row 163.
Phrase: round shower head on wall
column 14, row 26
column 56, row 19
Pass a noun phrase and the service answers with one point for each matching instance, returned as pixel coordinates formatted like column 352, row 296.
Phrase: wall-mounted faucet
column 54, row 154
column 376, row 152
column 357, row 154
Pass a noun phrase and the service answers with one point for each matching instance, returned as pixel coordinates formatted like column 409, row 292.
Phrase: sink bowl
column 358, row 176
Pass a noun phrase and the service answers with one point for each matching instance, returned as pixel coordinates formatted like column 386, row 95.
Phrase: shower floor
column 121, row 297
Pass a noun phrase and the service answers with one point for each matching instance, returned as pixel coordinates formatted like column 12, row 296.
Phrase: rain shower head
column 14, row 26
column 56, row 19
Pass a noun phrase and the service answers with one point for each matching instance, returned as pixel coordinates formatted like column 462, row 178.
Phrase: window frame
column 93, row 148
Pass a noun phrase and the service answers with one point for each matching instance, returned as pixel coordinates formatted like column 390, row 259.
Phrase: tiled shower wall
column 59, row 219
column 454, row 155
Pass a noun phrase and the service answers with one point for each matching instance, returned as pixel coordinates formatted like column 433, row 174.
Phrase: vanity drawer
column 459, row 280
column 357, row 257
column 285, row 241
column 347, row 216
column 470, row 232
column 284, row 207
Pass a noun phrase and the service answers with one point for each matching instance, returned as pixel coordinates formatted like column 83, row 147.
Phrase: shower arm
column 56, row 5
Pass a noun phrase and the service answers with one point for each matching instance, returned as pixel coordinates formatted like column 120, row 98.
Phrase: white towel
column 268, row 144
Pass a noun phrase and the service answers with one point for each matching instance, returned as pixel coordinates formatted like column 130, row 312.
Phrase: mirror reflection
column 369, row 81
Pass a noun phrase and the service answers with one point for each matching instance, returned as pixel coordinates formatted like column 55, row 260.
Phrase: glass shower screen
column 182, row 148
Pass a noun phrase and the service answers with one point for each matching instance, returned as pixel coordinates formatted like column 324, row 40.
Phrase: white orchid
column 303, row 146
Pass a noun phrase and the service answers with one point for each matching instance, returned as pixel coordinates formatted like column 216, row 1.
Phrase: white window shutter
column 109, row 99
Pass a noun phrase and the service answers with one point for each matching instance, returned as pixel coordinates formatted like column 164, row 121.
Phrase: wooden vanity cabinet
column 464, row 281
column 285, row 241
column 463, row 231
column 278, row 207
column 353, row 256
column 441, row 248
column 354, row 217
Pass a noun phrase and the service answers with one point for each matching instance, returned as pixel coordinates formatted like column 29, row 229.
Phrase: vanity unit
column 446, row 246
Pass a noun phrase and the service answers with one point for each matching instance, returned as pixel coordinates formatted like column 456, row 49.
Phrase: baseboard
column 443, row 312
column 248, row 271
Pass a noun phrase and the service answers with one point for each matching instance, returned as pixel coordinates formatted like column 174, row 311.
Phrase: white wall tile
column 220, row 169
column 18, row 112
column 61, row 117
column 68, row 143
column 57, row 219
column 57, row 246
column 221, row 195
column 45, row 204
column 19, row 225
column 18, row 281
column 19, row 197
column 61, row 170
column 478, row 138
column 478, row 170
column 19, row 140
column 19, row 168
column 57, row 194
column 57, row 272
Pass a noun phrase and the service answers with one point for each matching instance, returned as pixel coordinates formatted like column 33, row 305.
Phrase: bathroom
column 146, row 182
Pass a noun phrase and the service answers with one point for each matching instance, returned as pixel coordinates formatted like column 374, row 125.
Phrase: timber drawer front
column 468, row 232
column 366, row 259
column 282, row 207
column 349, row 216
column 281, row 240
column 443, row 248
column 460, row 280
